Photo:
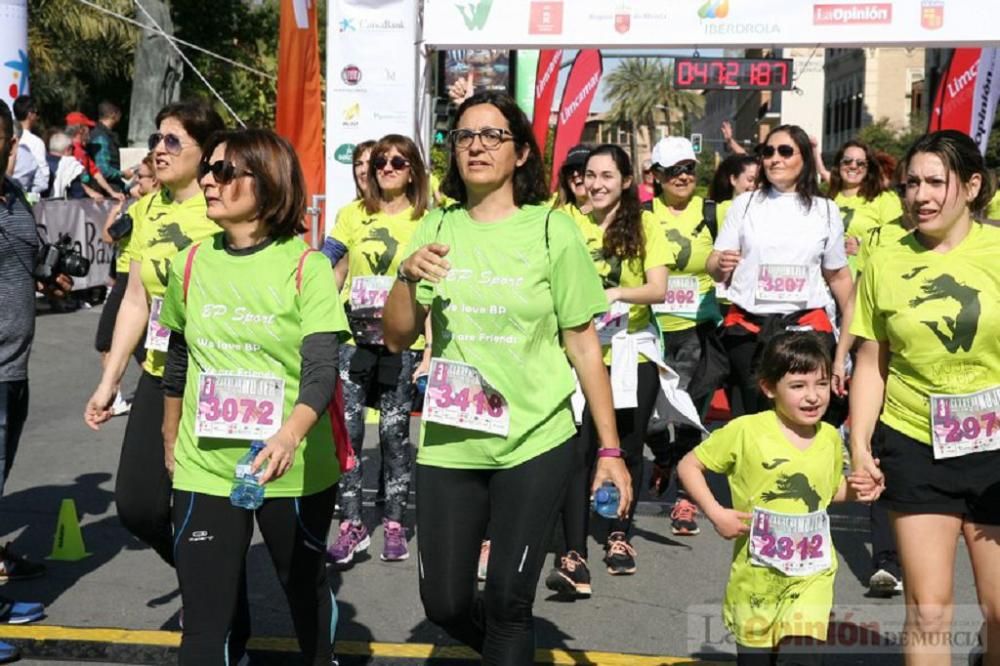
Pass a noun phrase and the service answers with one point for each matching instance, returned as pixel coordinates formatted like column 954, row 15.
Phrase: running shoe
column 8, row 653
column 884, row 584
column 14, row 567
column 120, row 405
column 619, row 555
column 19, row 612
column 484, row 560
column 682, row 522
column 571, row 577
column 394, row 549
column 353, row 539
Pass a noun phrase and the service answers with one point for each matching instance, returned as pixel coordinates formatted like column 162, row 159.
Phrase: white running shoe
column 120, row 405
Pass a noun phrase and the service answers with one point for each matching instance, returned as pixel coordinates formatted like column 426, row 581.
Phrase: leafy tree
column 79, row 56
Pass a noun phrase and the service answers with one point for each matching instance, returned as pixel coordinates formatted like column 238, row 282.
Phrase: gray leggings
column 394, row 402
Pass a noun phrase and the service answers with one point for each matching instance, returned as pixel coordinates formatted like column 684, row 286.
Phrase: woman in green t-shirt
column 857, row 187
column 251, row 366
column 631, row 256
column 174, row 219
column 374, row 242
column 926, row 389
column 507, row 282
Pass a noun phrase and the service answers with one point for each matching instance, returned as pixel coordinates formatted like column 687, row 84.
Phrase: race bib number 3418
column 459, row 396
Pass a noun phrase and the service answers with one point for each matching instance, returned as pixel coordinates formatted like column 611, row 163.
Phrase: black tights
column 211, row 546
column 793, row 651
column 632, row 431
column 455, row 508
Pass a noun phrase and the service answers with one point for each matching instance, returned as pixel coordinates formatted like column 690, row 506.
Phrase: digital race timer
column 732, row 74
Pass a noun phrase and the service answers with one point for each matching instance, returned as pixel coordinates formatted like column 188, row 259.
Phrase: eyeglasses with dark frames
column 396, row 162
column 785, row 150
column 490, row 137
column 223, row 171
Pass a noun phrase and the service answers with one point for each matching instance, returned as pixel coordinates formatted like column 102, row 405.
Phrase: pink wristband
column 610, row 453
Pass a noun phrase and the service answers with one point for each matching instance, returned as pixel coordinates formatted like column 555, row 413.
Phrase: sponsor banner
column 581, row 88
column 546, row 80
column 524, row 80
column 300, row 90
column 371, row 82
column 984, row 100
column 953, row 101
column 13, row 49
column 83, row 220
column 702, row 23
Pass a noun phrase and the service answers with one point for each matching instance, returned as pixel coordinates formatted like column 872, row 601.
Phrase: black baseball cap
column 576, row 158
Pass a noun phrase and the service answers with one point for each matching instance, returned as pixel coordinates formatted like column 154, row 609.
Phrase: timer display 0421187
column 732, row 74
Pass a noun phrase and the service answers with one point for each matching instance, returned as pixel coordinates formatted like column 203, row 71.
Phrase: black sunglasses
column 222, row 171
column 784, row 150
column 398, row 163
column 171, row 142
column 679, row 170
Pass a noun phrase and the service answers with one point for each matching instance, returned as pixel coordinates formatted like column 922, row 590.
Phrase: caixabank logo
column 717, row 21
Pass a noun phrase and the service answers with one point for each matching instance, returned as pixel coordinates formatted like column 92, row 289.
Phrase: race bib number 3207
column 458, row 395
column 782, row 283
column 794, row 544
column 239, row 406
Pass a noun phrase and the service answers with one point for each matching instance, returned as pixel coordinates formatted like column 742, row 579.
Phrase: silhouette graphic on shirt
column 960, row 330
column 684, row 256
column 379, row 262
column 613, row 277
column 171, row 233
column 794, row 486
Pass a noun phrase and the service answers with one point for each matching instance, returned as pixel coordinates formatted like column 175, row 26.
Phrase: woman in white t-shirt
column 781, row 253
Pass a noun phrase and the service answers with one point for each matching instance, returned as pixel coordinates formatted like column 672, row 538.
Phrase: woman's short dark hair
column 623, row 237
column 417, row 192
column 960, row 154
column 529, row 178
column 871, row 186
column 356, row 154
column 807, row 184
column 279, row 186
column 797, row 352
column 197, row 117
column 721, row 187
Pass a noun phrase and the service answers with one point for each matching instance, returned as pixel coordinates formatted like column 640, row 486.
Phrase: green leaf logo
column 475, row 14
column 714, row 9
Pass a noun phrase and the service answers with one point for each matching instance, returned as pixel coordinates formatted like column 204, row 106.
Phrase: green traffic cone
column 67, row 545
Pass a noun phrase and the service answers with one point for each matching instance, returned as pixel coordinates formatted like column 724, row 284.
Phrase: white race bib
column 783, row 283
column 682, row 296
column 368, row 296
column 794, row 544
column 234, row 406
column 612, row 322
column 964, row 424
column 458, row 395
column 157, row 335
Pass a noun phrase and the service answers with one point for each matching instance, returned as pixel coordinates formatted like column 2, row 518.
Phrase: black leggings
column 795, row 651
column 211, row 546
column 143, row 487
column 106, row 324
column 632, row 425
column 455, row 508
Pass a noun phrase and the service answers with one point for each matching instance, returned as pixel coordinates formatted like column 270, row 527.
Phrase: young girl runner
column 784, row 467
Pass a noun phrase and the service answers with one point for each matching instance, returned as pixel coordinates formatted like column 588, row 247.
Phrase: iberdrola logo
column 714, row 9
column 475, row 14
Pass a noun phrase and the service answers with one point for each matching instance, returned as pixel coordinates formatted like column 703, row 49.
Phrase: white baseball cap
column 671, row 150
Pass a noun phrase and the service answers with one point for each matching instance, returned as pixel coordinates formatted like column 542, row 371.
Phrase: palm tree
column 640, row 90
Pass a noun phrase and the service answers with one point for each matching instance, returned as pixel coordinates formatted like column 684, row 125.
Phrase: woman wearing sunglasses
column 779, row 249
column 512, row 292
column 572, row 197
column 351, row 213
column 175, row 218
column 395, row 202
column 856, row 186
column 689, row 314
column 631, row 256
column 254, row 334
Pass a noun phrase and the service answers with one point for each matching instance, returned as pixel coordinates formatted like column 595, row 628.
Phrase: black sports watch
column 403, row 277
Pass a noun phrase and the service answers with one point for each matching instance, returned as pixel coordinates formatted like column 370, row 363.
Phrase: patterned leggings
column 394, row 404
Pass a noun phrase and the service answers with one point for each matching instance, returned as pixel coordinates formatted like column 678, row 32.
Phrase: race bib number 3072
column 458, row 395
column 964, row 424
column 794, row 544
column 239, row 406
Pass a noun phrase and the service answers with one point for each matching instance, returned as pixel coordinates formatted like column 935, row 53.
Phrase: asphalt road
column 670, row 608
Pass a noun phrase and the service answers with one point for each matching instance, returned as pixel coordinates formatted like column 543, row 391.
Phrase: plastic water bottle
column 247, row 493
column 606, row 500
column 421, row 384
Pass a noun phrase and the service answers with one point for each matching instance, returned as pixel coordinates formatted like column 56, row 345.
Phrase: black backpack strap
column 547, row 216
column 440, row 222
column 709, row 219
